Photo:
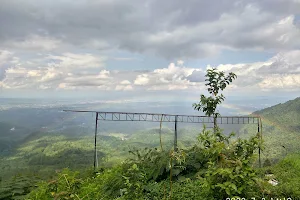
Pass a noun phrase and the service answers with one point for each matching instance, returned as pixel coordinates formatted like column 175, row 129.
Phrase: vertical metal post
column 95, row 153
column 175, row 135
column 258, row 130
column 261, row 131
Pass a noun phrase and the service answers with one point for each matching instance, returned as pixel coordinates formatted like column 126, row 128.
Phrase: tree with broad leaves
column 217, row 80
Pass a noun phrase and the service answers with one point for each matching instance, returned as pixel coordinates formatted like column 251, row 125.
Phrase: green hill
column 281, row 129
column 285, row 116
column 10, row 136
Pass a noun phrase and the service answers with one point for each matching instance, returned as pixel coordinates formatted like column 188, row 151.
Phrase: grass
column 287, row 172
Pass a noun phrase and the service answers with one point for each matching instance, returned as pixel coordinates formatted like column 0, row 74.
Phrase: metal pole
column 95, row 153
column 175, row 136
column 258, row 129
column 261, row 131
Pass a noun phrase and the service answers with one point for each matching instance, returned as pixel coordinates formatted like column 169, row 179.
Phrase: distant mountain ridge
column 285, row 115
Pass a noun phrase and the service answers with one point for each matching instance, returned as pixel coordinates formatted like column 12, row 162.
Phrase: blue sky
column 148, row 50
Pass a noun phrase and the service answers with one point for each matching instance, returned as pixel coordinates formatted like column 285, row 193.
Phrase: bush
column 287, row 173
column 214, row 168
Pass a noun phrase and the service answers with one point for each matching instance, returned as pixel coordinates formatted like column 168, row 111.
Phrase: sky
column 148, row 50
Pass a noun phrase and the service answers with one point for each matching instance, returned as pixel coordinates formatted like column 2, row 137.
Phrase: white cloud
column 34, row 73
column 180, row 62
column 171, row 78
column 103, row 74
column 7, row 59
column 173, row 71
column 50, row 74
column 124, row 87
column 21, row 77
column 76, row 61
column 279, row 72
column 169, row 87
column 281, row 82
column 141, row 79
column 125, row 82
column 63, row 73
column 62, row 86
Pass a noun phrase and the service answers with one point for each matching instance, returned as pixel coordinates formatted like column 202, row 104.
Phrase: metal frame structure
column 155, row 117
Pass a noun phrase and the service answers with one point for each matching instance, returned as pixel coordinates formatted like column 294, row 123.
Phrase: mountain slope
column 281, row 129
column 11, row 135
column 286, row 115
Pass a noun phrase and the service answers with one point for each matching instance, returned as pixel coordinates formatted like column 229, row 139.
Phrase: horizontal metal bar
column 154, row 117
column 156, row 121
column 90, row 111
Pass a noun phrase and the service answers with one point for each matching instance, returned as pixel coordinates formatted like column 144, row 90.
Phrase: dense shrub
column 287, row 173
column 214, row 168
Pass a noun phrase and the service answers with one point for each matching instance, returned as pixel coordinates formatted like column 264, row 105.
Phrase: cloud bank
column 72, row 71
column 68, row 45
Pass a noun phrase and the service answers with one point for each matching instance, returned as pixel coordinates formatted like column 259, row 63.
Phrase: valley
column 55, row 140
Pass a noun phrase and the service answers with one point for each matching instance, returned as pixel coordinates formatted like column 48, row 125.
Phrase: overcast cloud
column 61, row 45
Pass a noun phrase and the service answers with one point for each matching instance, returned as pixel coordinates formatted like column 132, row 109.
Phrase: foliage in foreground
column 287, row 173
column 17, row 187
column 214, row 168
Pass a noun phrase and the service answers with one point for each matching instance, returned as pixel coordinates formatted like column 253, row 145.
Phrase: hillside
column 286, row 115
column 281, row 129
column 48, row 151
column 10, row 136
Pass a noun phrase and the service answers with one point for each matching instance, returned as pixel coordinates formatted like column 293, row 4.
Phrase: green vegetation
column 287, row 172
column 43, row 152
column 211, row 169
column 216, row 81
column 280, row 130
column 18, row 186
column 285, row 116
column 143, row 165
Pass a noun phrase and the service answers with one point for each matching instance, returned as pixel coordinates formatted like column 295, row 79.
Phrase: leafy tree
column 217, row 80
